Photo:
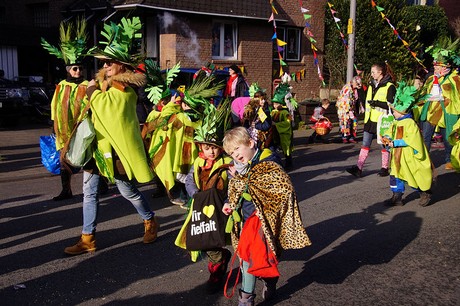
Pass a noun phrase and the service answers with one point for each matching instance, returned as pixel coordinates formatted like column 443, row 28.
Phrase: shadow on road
column 375, row 243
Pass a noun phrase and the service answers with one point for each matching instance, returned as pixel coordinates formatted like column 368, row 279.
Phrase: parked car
column 21, row 99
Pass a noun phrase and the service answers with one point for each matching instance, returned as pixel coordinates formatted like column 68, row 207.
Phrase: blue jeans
column 428, row 131
column 91, row 200
column 367, row 139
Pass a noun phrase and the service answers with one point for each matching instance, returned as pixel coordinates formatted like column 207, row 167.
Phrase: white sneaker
column 177, row 201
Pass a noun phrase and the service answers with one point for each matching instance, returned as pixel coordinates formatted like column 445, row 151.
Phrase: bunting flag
column 279, row 42
column 342, row 36
column 337, row 20
column 310, row 36
column 405, row 43
column 298, row 75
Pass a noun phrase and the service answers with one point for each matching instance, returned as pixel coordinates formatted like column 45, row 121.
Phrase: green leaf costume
column 455, row 142
column 68, row 102
column 117, row 127
column 411, row 163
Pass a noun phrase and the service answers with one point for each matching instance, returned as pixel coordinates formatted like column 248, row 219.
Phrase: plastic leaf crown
column 215, row 124
column 157, row 84
column 72, row 46
column 120, row 41
column 197, row 95
column 405, row 97
column 254, row 88
column 445, row 51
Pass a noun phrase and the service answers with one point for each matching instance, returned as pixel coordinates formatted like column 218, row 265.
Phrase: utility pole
column 351, row 40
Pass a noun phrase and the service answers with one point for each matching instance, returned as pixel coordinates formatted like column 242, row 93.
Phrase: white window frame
column 221, row 46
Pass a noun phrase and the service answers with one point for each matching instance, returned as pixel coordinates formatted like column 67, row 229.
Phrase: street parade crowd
column 225, row 161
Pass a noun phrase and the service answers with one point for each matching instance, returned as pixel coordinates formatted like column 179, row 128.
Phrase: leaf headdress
column 215, row 124
column 72, row 46
column 120, row 42
column 445, row 51
column 406, row 97
column 198, row 94
column 157, row 84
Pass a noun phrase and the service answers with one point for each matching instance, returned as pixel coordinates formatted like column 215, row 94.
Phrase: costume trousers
column 248, row 281
column 91, row 200
column 428, row 131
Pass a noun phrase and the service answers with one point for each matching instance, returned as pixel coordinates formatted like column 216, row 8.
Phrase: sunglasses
column 108, row 63
column 76, row 68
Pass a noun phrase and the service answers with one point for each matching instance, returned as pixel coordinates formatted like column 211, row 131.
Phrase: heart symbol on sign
column 208, row 211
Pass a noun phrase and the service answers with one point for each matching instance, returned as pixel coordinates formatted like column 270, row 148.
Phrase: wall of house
column 192, row 47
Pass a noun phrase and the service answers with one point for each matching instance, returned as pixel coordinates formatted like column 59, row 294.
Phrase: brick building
column 192, row 32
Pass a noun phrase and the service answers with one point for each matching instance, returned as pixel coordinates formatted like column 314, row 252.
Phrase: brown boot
column 151, row 230
column 87, row 243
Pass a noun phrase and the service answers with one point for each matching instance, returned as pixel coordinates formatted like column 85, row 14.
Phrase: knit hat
column 72, row 47
column 120, row 45
column 445, row 52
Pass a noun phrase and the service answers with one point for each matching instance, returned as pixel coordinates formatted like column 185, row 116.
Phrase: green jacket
column 117, row 128
column 412, row 162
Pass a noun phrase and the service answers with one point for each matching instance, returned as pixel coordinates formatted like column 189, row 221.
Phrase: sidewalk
column 20, row 153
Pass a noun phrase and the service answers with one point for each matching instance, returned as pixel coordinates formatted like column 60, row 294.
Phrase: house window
column 40, row 16
column 291, row 51
column 224, row 40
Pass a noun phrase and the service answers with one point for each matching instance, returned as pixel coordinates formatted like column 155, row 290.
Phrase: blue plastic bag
column 50, row 157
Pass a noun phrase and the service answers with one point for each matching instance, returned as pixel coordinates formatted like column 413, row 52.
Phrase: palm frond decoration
column 120, row 41
column 445, row 51
column 157, row 84
column 254, row 88
column 72, row 45
column 406, row 97
column 215, row 124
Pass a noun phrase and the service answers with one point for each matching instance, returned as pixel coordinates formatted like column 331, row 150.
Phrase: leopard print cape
column 276, row 205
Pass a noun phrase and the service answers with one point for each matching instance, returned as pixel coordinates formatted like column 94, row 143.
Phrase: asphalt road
column 363, row 252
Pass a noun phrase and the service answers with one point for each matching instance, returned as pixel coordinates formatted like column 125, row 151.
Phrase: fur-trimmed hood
column 128, row 77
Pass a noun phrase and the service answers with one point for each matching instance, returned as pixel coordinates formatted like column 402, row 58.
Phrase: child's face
column 326, row 105
column 210, row 152
column 243, row 153
column 262, row 102
column 397, row 114
column 276, row 105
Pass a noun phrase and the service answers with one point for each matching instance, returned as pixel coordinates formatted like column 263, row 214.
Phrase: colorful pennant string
column 405, row 43
column 310, row 36
column 342, row 36
column 337, row 20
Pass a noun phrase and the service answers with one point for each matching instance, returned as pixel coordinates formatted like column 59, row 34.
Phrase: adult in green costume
column 454, row 140
column 442, row 108
column 119, row 153
column 410, row 160
column 69, row 98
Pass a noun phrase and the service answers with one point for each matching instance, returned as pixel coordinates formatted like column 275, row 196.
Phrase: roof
column 253, row 9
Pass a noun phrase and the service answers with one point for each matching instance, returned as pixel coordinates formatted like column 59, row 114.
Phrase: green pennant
column 282, row 63
column 380, row 9
column 306, row 16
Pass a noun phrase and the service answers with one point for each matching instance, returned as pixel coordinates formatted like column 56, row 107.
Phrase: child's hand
column 227, row 210
column 232, row 170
